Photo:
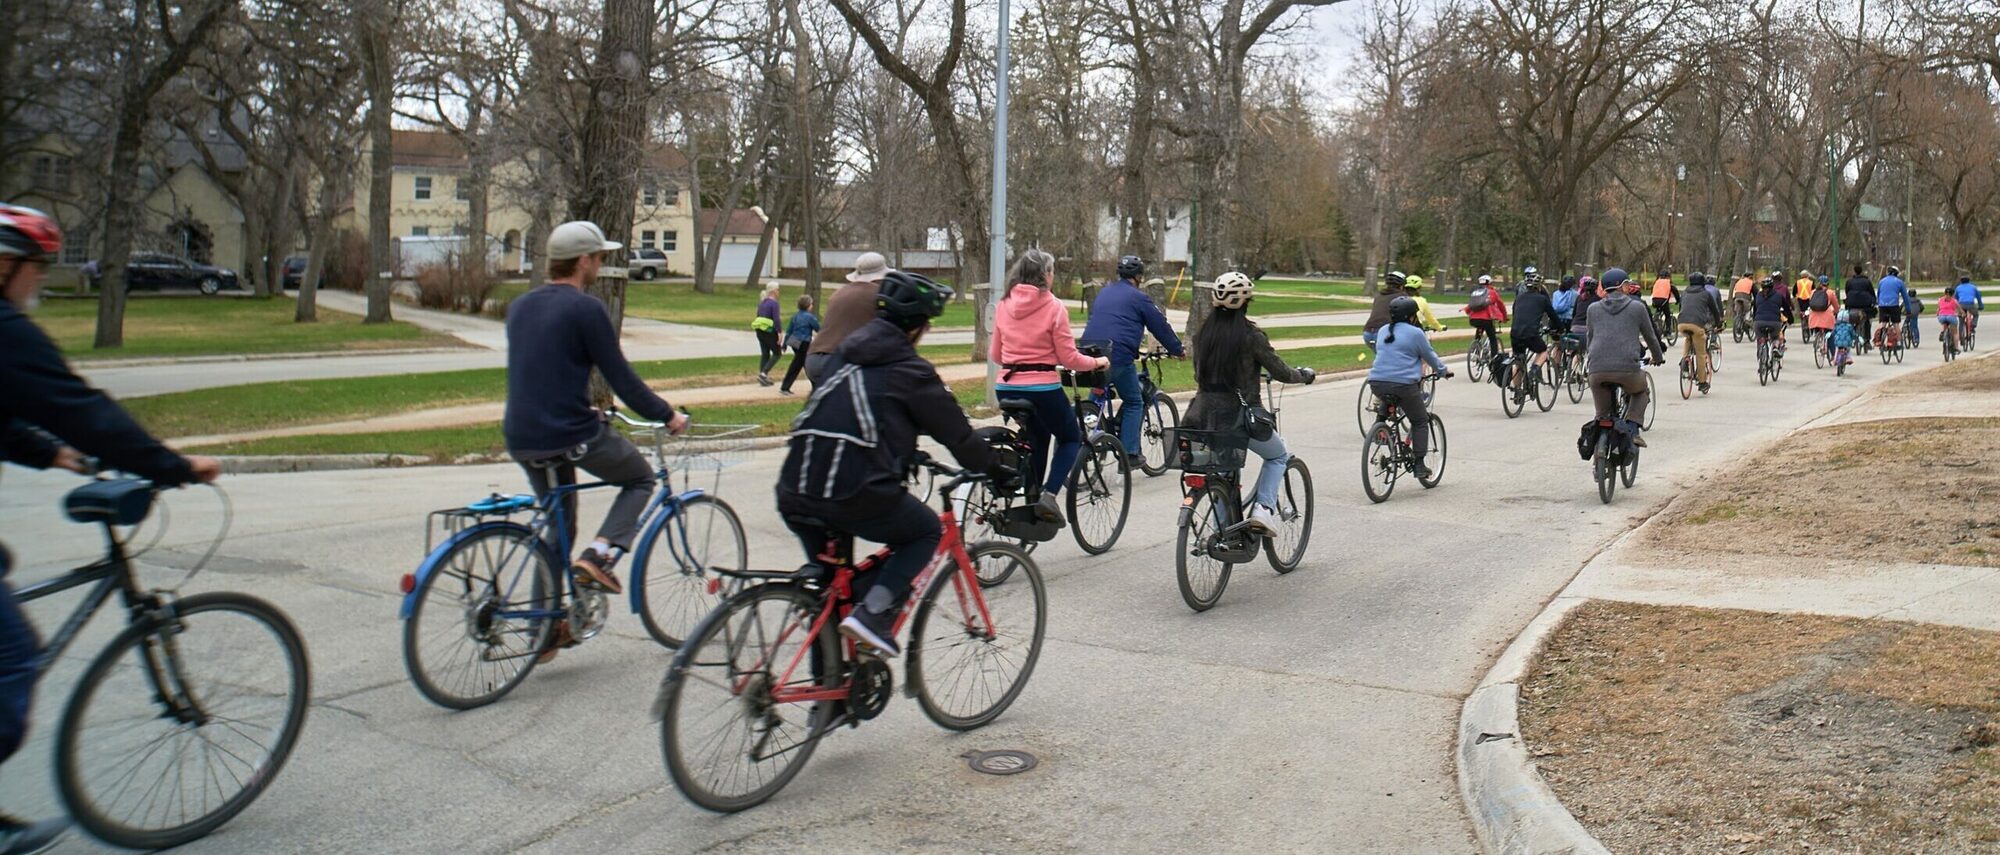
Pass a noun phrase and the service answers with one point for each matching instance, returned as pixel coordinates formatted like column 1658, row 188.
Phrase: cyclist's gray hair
column 1032, row 268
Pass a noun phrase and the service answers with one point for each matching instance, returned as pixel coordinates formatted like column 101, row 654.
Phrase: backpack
column 1480, row 300
column 1819, row 300
column 836, row 449
column 1564, row 302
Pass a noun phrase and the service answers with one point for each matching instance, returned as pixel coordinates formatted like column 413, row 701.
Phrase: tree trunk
column 704, row 281
column 614, row 141
column 322, row 241
column 764, row 242
column 119, row 224
column 379, row 73
column 280, row 235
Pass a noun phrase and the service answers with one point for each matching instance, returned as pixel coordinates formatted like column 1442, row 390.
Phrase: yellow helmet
column 1414, row 283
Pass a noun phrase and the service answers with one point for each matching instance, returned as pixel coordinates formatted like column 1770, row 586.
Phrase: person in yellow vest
column 1802, row 289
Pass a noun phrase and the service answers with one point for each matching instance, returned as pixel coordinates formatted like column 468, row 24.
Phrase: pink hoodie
column 1031, row 327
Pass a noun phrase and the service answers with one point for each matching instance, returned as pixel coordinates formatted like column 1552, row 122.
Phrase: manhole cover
column 1001, row 762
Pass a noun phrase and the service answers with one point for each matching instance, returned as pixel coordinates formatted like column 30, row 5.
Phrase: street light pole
column 996, row 263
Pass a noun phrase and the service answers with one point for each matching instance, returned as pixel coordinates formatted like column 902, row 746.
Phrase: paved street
column 1313, row 711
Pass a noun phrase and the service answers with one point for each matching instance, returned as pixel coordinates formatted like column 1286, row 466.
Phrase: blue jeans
column 1273, row 474
column 1125, row 379
column 19, row 649
column 1054, row 423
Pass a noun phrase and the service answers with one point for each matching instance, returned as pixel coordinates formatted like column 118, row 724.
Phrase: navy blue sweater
column 42, row 394
column 555, row 335
column 1123, row 315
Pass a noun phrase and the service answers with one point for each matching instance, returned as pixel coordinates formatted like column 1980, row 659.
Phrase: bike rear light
column 409, row 582
column 1195, row 482
column 714, row 585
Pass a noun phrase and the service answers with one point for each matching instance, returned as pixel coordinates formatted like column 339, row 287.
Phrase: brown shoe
column 563, row 638
column 592, row 571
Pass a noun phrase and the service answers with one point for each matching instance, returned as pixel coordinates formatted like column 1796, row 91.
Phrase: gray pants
column 613, row 459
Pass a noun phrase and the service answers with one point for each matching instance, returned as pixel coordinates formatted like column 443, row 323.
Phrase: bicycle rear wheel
column 1628, row 472
column 1099, row 495
column 703, row 536
column 1366, row 406
column 145, row 773
column 1476, row 358
column 1512, row 399
column 481, row 618
column 1202, row 577
column 1820, row 357
column 976, row 513
column 1575, row 378
column 1545, row 385
column 1434, row 453
column 1379, row 463
column 1604, row 472
column 1285, row 548
column 1687, row 377
column 1162, row 415
column 969, row 658
column 728, row 742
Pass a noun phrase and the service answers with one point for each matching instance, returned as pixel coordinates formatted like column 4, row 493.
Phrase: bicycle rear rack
column 450, row 521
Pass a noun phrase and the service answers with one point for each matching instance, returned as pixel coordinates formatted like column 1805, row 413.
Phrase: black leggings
column 1409, row 397
column 1484, row 327
column 767, row 343
column 908, row 527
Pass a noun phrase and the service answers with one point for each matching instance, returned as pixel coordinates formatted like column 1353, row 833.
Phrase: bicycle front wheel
column 1162, row 415
column 1687, row 377
column 1545, row 386
column 182, row 721
column 1513, row 399
column 703, row 536
column 481, row 618
column 730, row 729
column 1099, row 495
column 1379, row 463
column 1202, row 576
column 971, row 653
column 1475, row 359
column 1652, row 401
column 1286, row 547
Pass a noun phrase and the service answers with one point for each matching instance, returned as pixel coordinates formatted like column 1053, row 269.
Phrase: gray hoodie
column 1618, row 327
column 1700, row 307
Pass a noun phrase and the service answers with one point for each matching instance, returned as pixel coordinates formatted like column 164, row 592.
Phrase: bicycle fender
column 431, row 561
column 1187, row 512
column 642, row 552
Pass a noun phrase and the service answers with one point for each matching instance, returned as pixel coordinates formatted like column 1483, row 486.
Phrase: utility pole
column 996, row 263
column 1833, row 204
column 1673, row 203
column 1909, row 218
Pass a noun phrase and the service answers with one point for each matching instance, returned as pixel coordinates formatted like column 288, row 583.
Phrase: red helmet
column 26, row 232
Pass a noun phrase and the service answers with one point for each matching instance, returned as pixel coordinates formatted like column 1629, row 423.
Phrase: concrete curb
column 149, row 361
column 261, row 465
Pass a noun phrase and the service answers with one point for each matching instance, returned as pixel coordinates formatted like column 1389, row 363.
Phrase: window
column 670, row 240
column 463, row 190
column 646, row 239
column 420, row 231
column 423, row 188
column 671, row 192
column 51, row 172
column 76, row 250
column 649, row 196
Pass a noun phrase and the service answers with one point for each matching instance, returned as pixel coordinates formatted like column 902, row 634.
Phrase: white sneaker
column 1263, row 519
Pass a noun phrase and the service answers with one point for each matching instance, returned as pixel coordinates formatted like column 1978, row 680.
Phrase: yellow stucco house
column 183, row 210
column 430, row 203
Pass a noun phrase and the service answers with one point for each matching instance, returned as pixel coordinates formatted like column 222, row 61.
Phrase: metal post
column 1833, row 205
column 996, row 265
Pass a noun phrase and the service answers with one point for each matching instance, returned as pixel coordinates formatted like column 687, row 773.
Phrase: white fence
column 911, row 259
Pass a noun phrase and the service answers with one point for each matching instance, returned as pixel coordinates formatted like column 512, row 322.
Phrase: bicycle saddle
column 119, row 501
column 1016, row 409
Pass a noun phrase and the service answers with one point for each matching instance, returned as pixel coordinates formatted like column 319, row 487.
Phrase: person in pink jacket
column 1031, row 340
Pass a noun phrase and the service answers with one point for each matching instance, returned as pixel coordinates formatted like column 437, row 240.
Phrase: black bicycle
column 1387, row 452
column 1214, row 528
column 1368, row 408
column 1526, row 380
column 1097, row 499
column 1615, row 457
column 1160, row 414
column 189, row 713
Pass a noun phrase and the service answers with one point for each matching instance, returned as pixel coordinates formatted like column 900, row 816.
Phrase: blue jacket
column 1890, row 291
column 1403, row 360
column 1967, row 294
column 802, row 327
column 1123, row 315
column 1564, row 302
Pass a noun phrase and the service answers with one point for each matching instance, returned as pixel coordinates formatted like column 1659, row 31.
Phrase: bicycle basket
column 1093, row 379
column 712, row 447
column 1207, row 450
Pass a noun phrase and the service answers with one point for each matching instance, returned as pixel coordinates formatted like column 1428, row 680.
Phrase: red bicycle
column 766, row 674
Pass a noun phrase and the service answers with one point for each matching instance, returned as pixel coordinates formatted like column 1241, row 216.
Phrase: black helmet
column 1131, row 267
column 909, row 300
column 1402, row 310
column 1395, row 279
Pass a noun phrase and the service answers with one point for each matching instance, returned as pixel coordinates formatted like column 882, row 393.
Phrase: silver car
column 645, row 264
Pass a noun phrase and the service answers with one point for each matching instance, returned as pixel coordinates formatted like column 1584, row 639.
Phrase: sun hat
column 870, row 267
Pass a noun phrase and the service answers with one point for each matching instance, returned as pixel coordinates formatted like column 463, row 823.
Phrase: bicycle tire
column 1687, row 377
column 543, row 594
column 1820, row 358
column 1575, row 380
column 1899, row 356
column 1378, row 459
column 799, row 607
column 1162, row 415
column 957, row 633
column 676, row 601
column 1202, row 593
column 1295, row 520
column 171, row 652
column 1886, row 354
column 1652, row 402
column 1102, row 478
column 1629, row 471
column 1476, row 357
column 1545, row 386
column 1364, row 414
column 1434, row 453
column 1512, row 400
column 1601, row 469
column 974, row 528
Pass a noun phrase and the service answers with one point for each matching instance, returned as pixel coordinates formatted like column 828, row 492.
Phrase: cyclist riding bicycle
column 1031, row 342
column 1970, row 303
column 1618, row 329
column 1424, row 317
column 1665, row 293
column 1887, row 297
column 1801, row 292
column 1823, row 313
column 1947, row 317
column 1841, row 339
column 1701, row 316
column 1397, row 375
column 555, row 335
column 856, row 438
column 1122, row 315
column 1588, row 292
column 1486, row 308
column 1394, row 284
column 1771, row 310
column 1532, row 312
column 46, row 416
column 1227, row 355
column 1913, row 308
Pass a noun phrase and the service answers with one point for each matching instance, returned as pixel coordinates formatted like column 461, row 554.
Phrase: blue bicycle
column 485, row 605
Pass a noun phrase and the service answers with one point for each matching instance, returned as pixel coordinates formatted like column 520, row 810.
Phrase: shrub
column 452, row 285
column 346, row 263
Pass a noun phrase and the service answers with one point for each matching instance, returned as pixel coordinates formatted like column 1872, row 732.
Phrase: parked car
column 152, row 271
column 645, row 264
column 293, row 270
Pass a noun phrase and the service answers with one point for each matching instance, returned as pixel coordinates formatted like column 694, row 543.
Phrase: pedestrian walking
column 798, row 337
column 766, row 326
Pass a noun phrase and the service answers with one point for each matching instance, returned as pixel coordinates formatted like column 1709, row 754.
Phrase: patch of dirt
column 1671, row 729
column 1896, row 490
column 1963, row 375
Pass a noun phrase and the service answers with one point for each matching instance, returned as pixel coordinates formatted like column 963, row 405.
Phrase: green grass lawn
column 773, row 417
column 1283, row 333
column 1339, row 288
column 254, row 406
column 191, row 327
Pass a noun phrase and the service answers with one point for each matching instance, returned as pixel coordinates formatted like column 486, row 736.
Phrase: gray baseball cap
column 578, row 238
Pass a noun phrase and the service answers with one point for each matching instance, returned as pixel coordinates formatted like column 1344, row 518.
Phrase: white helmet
column 1232, row 290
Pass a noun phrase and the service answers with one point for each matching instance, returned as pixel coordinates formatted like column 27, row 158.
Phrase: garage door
column 735, row 261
